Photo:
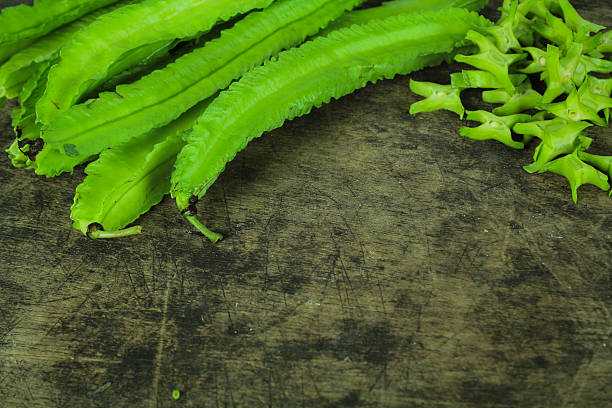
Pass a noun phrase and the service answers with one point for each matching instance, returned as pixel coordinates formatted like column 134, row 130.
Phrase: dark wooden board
column 371, row 258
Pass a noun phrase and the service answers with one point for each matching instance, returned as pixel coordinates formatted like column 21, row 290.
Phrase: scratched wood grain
column 371, row 259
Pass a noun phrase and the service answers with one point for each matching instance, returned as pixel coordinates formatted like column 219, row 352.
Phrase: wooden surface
column 371, row 259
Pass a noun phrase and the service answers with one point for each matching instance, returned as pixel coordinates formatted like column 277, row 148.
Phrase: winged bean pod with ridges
column 86, row 60
column 125, row 182
column 163, row 95
column 21, row 25
column 306, row 77
column 23, row 64
column 395, row 7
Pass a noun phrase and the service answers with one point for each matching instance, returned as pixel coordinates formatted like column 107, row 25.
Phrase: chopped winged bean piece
column 592, row 94
column 523, row 99
column 573, row 109
column 606, row 42
column 437, row 97
column 574, row 21
column 577, row 173
column 494, row 127
column 558, row 137
column 553, row 29
column 503, row 31
column 603, row 163
column 538, row 63
column 491, row 59
column 481, row 80
column 560, row 73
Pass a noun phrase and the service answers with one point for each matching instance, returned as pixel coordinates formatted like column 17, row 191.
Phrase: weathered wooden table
column 371, row 258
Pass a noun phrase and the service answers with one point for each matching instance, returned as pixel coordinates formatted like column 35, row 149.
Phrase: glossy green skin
column 160, row 97
column 306, row 77
column 395, row 7
column 87, row 60
column 22, row 24
column 127, row 181
column 23, row 64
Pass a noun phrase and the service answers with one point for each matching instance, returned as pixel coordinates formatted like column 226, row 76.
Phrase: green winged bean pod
column 160, row 97
column 125, row 182
column 306, row 77
column 21, row 25
column 23, row 64
column 86, row 59
column 395, row 7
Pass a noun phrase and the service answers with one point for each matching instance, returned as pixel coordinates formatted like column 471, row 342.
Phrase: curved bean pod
column 395, row 7
column 163, row 95
column 125, row 182
column 23, row 64
column 306, row 77
column 86, row 60
column 22, row 24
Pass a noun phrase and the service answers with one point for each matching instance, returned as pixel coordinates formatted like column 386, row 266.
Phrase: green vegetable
column 494, row 127
column 482, row 79
column 437, row 97
column 306, row 77
column 160, row 97
column 558, row 137
column 572, row 109
column 524, row 98
column 395, row 7
column 129, row 32
column 23, row 64
column 603, row 163
column 491, row 59
column 127, row 181
column 21, row 25
column 577, row 173
column 573, row 97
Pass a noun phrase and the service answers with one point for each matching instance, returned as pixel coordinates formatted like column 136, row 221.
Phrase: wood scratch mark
column 159, row 355
column 461, row 259
column 382, row 299
column 227, row 213
column 228, row 386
